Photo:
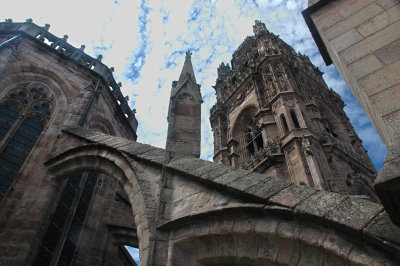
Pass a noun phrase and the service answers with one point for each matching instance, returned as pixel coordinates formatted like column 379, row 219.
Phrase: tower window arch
column 247, row 132
column 24, row 112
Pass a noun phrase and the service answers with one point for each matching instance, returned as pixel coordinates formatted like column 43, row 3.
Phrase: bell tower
column 276, row 115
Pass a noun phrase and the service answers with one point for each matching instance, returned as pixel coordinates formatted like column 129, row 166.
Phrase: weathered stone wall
column 362, row 39
column 247, row 218
column 31, row 199
column 276, row 115
column 106, row 228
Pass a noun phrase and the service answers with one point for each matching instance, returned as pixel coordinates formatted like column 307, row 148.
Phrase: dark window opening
column 60, row 222
column 71, row 241
column 259, row 142
column 16, row 151
column 21, row 123
column 8, row 115
column 250, row 149
column 249, row 135
column 57, row 223
column 284, row 124
column 294, row 119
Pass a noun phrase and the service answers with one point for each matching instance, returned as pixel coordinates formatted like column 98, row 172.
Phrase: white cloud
column 212, row 29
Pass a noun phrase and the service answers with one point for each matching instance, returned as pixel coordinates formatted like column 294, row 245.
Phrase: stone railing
column 268, row 152
column 77, row 54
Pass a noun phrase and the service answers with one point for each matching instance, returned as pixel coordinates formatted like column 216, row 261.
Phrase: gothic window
column 329, row 128
column 61, row 239
column 24, row 112
column 294, row 119
column 247, row 132
column 284, row 124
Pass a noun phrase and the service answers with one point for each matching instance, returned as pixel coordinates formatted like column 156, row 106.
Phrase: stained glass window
column 23, row 114
column 62, row 236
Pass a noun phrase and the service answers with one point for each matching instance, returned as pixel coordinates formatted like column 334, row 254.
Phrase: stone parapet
column 62, row 47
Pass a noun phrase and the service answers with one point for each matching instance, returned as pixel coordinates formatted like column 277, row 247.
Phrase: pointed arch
column 243, row 130
column 96, row 157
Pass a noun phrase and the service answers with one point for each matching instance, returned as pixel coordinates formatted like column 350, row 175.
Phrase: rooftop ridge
column 78, row 55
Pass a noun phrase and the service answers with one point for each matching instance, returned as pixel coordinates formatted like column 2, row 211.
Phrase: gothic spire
column 184, row 114
column 187, row 73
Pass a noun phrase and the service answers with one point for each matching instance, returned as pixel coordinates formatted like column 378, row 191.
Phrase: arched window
column 284, row 124
column 61, row 239
column 247, row 132
column 24, row 112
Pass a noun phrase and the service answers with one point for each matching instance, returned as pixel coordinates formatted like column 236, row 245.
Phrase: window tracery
column 24, row 112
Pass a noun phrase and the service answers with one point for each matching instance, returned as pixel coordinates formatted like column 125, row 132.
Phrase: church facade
column 76, row 187
column 47, row 84
column 276, row 115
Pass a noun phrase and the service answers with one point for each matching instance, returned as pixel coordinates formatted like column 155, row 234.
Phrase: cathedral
column 275, row 115
column 291, row 183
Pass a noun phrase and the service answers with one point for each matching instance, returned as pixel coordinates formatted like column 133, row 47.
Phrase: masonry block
column 354, row 213
column 320, row 203
column 365, row 66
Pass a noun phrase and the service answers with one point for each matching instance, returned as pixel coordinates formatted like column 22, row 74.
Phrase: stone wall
column 212, row 214
column 362, row 39
column 32, row 197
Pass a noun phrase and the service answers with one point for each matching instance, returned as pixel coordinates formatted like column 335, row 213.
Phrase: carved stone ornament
column 306, row 145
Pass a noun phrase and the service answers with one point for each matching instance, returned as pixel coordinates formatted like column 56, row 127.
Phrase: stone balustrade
column 76, row 54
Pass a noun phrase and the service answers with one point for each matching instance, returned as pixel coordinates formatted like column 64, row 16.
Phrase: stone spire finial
column 187, row 71
column 259, row 28
column 184, row 114
column 99, row 57
column 188, row 55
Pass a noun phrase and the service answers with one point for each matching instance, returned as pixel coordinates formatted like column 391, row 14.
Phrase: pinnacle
column 187, row 71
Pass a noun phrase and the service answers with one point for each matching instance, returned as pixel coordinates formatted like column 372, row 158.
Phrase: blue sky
column 145, row 41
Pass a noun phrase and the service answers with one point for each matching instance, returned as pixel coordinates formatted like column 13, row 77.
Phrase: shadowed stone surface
column 382, row 228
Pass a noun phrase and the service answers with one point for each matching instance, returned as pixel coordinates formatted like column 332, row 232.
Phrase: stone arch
column 15, row 75
column 267, row 239
column 100, row 123
column 242, row 129
column 95, row 157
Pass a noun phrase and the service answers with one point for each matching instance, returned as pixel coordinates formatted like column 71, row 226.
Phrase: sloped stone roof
column 366, row 218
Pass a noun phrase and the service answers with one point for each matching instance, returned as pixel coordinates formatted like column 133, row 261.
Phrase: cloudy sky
column 146, row 41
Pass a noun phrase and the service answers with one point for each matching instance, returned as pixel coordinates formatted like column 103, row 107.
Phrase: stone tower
column 76, row 187
column 275, row 115
column 184, row 114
